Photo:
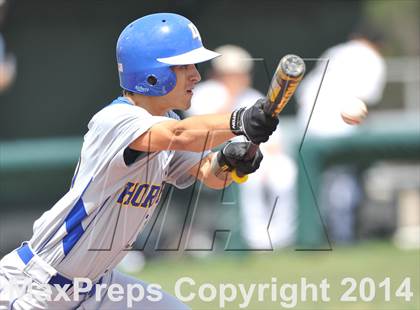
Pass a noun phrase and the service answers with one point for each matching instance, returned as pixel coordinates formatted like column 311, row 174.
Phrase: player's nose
column 195, row 75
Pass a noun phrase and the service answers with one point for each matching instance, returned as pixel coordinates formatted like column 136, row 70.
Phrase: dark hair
column 368, row 31
column 127, row 92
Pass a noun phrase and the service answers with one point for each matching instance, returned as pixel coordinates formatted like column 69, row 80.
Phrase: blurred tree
column 400, row 21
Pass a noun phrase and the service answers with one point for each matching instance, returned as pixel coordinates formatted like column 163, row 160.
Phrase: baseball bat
column 287, row 77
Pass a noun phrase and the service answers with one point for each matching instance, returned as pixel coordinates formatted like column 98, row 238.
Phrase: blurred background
column 343, row 205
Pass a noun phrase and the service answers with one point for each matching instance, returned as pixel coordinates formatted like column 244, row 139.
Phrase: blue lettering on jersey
column 140, row 195
column 150, row 199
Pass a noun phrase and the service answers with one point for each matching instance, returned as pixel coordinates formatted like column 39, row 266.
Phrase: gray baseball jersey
column 109, row 203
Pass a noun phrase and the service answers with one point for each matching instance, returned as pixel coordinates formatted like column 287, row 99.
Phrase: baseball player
column 133, row 147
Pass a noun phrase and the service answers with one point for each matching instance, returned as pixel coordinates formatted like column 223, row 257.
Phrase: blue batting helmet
column 148, row 47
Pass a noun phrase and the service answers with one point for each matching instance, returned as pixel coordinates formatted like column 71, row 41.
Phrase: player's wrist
column 253, row 122
column 219, row 165
column 236, row 122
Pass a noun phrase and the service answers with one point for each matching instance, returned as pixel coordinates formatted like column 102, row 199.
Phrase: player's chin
column 186, row 104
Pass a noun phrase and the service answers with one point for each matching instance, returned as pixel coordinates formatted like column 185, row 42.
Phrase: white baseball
column 353, row 111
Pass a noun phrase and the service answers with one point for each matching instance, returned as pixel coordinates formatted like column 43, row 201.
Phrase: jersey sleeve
column 114, row 128
column 180, row 165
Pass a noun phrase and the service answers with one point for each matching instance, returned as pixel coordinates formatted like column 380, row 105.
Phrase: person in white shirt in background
column 353, row 70
column 7, row 61
column 229, row 88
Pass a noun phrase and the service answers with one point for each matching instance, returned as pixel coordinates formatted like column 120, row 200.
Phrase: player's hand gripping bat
column 288, row 74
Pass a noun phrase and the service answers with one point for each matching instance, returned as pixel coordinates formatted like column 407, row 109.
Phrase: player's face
column 186, row 78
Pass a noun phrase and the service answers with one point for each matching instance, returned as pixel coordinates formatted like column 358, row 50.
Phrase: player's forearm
column 202, row 132
column 195, row 134
column 198, row 133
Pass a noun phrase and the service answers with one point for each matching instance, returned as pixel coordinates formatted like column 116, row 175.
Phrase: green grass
column 373, row 259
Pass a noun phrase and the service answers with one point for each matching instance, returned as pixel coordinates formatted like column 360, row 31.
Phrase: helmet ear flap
column 158, row 83
column 152, row 80
column 165, row 81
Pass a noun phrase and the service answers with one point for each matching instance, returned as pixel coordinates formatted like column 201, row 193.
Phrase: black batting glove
column 234, row 155
column 253, row 122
